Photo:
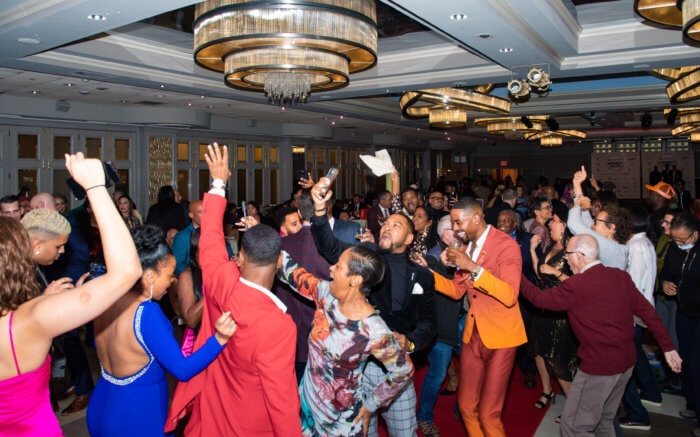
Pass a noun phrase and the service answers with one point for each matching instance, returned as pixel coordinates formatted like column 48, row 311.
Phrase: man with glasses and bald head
column 601, row 303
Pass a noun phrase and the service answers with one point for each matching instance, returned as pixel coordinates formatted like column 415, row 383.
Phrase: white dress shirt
column 641, row 265
column 477, row 249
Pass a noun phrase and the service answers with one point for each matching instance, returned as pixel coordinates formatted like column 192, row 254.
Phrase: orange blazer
column 493, row 298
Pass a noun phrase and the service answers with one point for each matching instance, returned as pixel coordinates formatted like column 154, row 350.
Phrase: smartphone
column 302, row 174
column 245, row 215
column 75, row 188
column 331, row 175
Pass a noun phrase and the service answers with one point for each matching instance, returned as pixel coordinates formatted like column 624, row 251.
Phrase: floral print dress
column 338, row 350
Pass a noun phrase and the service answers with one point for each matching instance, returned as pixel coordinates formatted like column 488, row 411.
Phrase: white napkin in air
column 380, row 163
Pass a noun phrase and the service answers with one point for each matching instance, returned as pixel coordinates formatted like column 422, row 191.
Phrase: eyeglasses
column 601, row 220
column 575, row 251
column 546, row 207
column 683, row 242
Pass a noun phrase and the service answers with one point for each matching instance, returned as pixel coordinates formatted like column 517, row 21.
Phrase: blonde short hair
column 46, row 221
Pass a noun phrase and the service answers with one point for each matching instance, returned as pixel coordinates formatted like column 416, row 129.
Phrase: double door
column 35, row 157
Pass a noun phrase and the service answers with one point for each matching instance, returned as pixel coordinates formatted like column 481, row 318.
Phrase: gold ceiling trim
column 659, row 11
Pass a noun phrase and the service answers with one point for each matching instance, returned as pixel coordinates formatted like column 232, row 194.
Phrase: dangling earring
column 151, row 296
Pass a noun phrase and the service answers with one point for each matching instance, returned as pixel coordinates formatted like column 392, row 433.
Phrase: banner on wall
column 622, row 169
column 682, row 160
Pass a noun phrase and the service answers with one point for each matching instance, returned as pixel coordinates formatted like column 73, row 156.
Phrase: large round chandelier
column 689, row 119
column 555, row 138
column 513, row 128
column 286, row 48
column 446, row 108
column 685, row 82
column 683, row 14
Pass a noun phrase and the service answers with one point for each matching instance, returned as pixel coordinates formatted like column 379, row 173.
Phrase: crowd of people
column 307, row 318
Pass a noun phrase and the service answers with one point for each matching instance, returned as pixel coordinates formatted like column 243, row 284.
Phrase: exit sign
column 504, row 163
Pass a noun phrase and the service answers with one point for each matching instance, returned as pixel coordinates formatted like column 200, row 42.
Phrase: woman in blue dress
column 135, row 345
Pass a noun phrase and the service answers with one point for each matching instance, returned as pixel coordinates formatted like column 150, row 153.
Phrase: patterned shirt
column 338, row 351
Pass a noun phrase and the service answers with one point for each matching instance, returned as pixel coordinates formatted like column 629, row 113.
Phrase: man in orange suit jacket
column 250, row 388
column 489, row 272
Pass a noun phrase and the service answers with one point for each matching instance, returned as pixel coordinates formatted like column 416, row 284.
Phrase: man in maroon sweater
column 600, row 302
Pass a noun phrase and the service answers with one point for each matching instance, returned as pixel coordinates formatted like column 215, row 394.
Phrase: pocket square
column 417, row 289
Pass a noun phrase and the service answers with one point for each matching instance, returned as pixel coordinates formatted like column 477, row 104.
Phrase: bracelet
column 94, row 186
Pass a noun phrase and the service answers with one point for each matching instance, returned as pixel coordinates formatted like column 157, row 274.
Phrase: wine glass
column 360, row 232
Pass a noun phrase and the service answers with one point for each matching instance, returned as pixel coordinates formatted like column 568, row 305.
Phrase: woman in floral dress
column 346, row 330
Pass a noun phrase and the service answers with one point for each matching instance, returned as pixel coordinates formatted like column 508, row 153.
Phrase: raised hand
column 418, row 259
column 87, row 172
column 366, row 237
column 534, row 242
column 247, row 223
column 225, row 328
column 580, row 176
column 217, row 160
column 584, row 202
column 395, row 182
column 307, row 183
column 317, row 191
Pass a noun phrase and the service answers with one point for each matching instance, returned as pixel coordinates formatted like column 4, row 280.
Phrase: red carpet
column 520, row 417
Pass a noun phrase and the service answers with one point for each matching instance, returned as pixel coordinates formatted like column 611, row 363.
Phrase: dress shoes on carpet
column 70, row 391
column 79, row 404
column 530, row 381
column 651, row 403
column 428, row 429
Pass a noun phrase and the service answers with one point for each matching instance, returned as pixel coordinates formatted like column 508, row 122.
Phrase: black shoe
column 639, row 426
column 670, row 390
column 547, row 399
column 530, row 381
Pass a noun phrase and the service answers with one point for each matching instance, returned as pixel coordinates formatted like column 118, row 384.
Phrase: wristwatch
column 476, row 272
column 218, row 183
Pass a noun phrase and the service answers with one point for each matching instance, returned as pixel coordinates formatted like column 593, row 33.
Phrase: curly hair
column 17, row 281
column 622, row 220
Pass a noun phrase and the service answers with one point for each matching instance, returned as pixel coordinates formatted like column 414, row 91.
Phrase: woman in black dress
column 553, row 343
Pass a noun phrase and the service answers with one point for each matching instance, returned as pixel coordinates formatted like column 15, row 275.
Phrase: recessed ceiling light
column 201, row 97
column 161, row 86
column 210, row 106
column 102, row 88
column 505, row 50
column 84, row 92
column 25, row 40
column 341, row 117
column 283, row 108
column 86, row 80
column 35, row 92
column 124, row 101
column 69, row 84
column 159, row 95
column 96, row 17
column 332, row 122
column 485, row 35
column 189, row 103
column 458, row 17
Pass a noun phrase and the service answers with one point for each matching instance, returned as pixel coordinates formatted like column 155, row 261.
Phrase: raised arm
column 302, row 281
column 327, row 243
column 157, row 334
column 52, row 315
column 212, row 246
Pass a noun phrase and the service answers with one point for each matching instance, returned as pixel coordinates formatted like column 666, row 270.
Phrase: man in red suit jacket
column 250, row 389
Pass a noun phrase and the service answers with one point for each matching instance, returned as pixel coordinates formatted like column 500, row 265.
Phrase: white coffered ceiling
column 598, row 54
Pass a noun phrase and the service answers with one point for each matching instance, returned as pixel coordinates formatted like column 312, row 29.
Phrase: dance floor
column 520, row 417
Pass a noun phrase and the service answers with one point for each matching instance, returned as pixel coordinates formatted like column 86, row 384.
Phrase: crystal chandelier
column 286, row 48
column 286, row 86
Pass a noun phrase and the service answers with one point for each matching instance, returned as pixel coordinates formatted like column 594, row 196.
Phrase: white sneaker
column 651, row 403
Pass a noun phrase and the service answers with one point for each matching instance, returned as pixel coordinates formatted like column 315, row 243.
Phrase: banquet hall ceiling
column 598, row 53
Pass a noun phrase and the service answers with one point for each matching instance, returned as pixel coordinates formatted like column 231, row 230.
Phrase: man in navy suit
column 344, row 231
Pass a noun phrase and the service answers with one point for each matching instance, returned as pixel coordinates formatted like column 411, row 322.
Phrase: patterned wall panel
column 160, row 157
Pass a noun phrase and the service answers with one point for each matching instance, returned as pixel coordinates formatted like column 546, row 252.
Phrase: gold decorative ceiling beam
column 434, row 103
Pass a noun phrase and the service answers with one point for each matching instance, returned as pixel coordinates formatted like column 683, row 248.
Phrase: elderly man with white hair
column 450, row 325
column 601, row 303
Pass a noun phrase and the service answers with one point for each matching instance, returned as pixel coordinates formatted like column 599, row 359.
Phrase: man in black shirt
column 405, row 300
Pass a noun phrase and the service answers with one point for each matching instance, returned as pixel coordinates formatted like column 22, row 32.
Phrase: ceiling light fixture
column 286, row 49
column 505, row 49
column 124, row 101
column 96, row 17
column 485, row 36
column 84, row 92
column 447, row 107
column 69, row 84
column 552, row 123
column 518, row 88
column 538, row 79
column 35, row 92
column 689, row 119
column 27, row 40
column 458, row 17
column 555, row 138
column 513, row 128
column 685, row 82
column 682, row 14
